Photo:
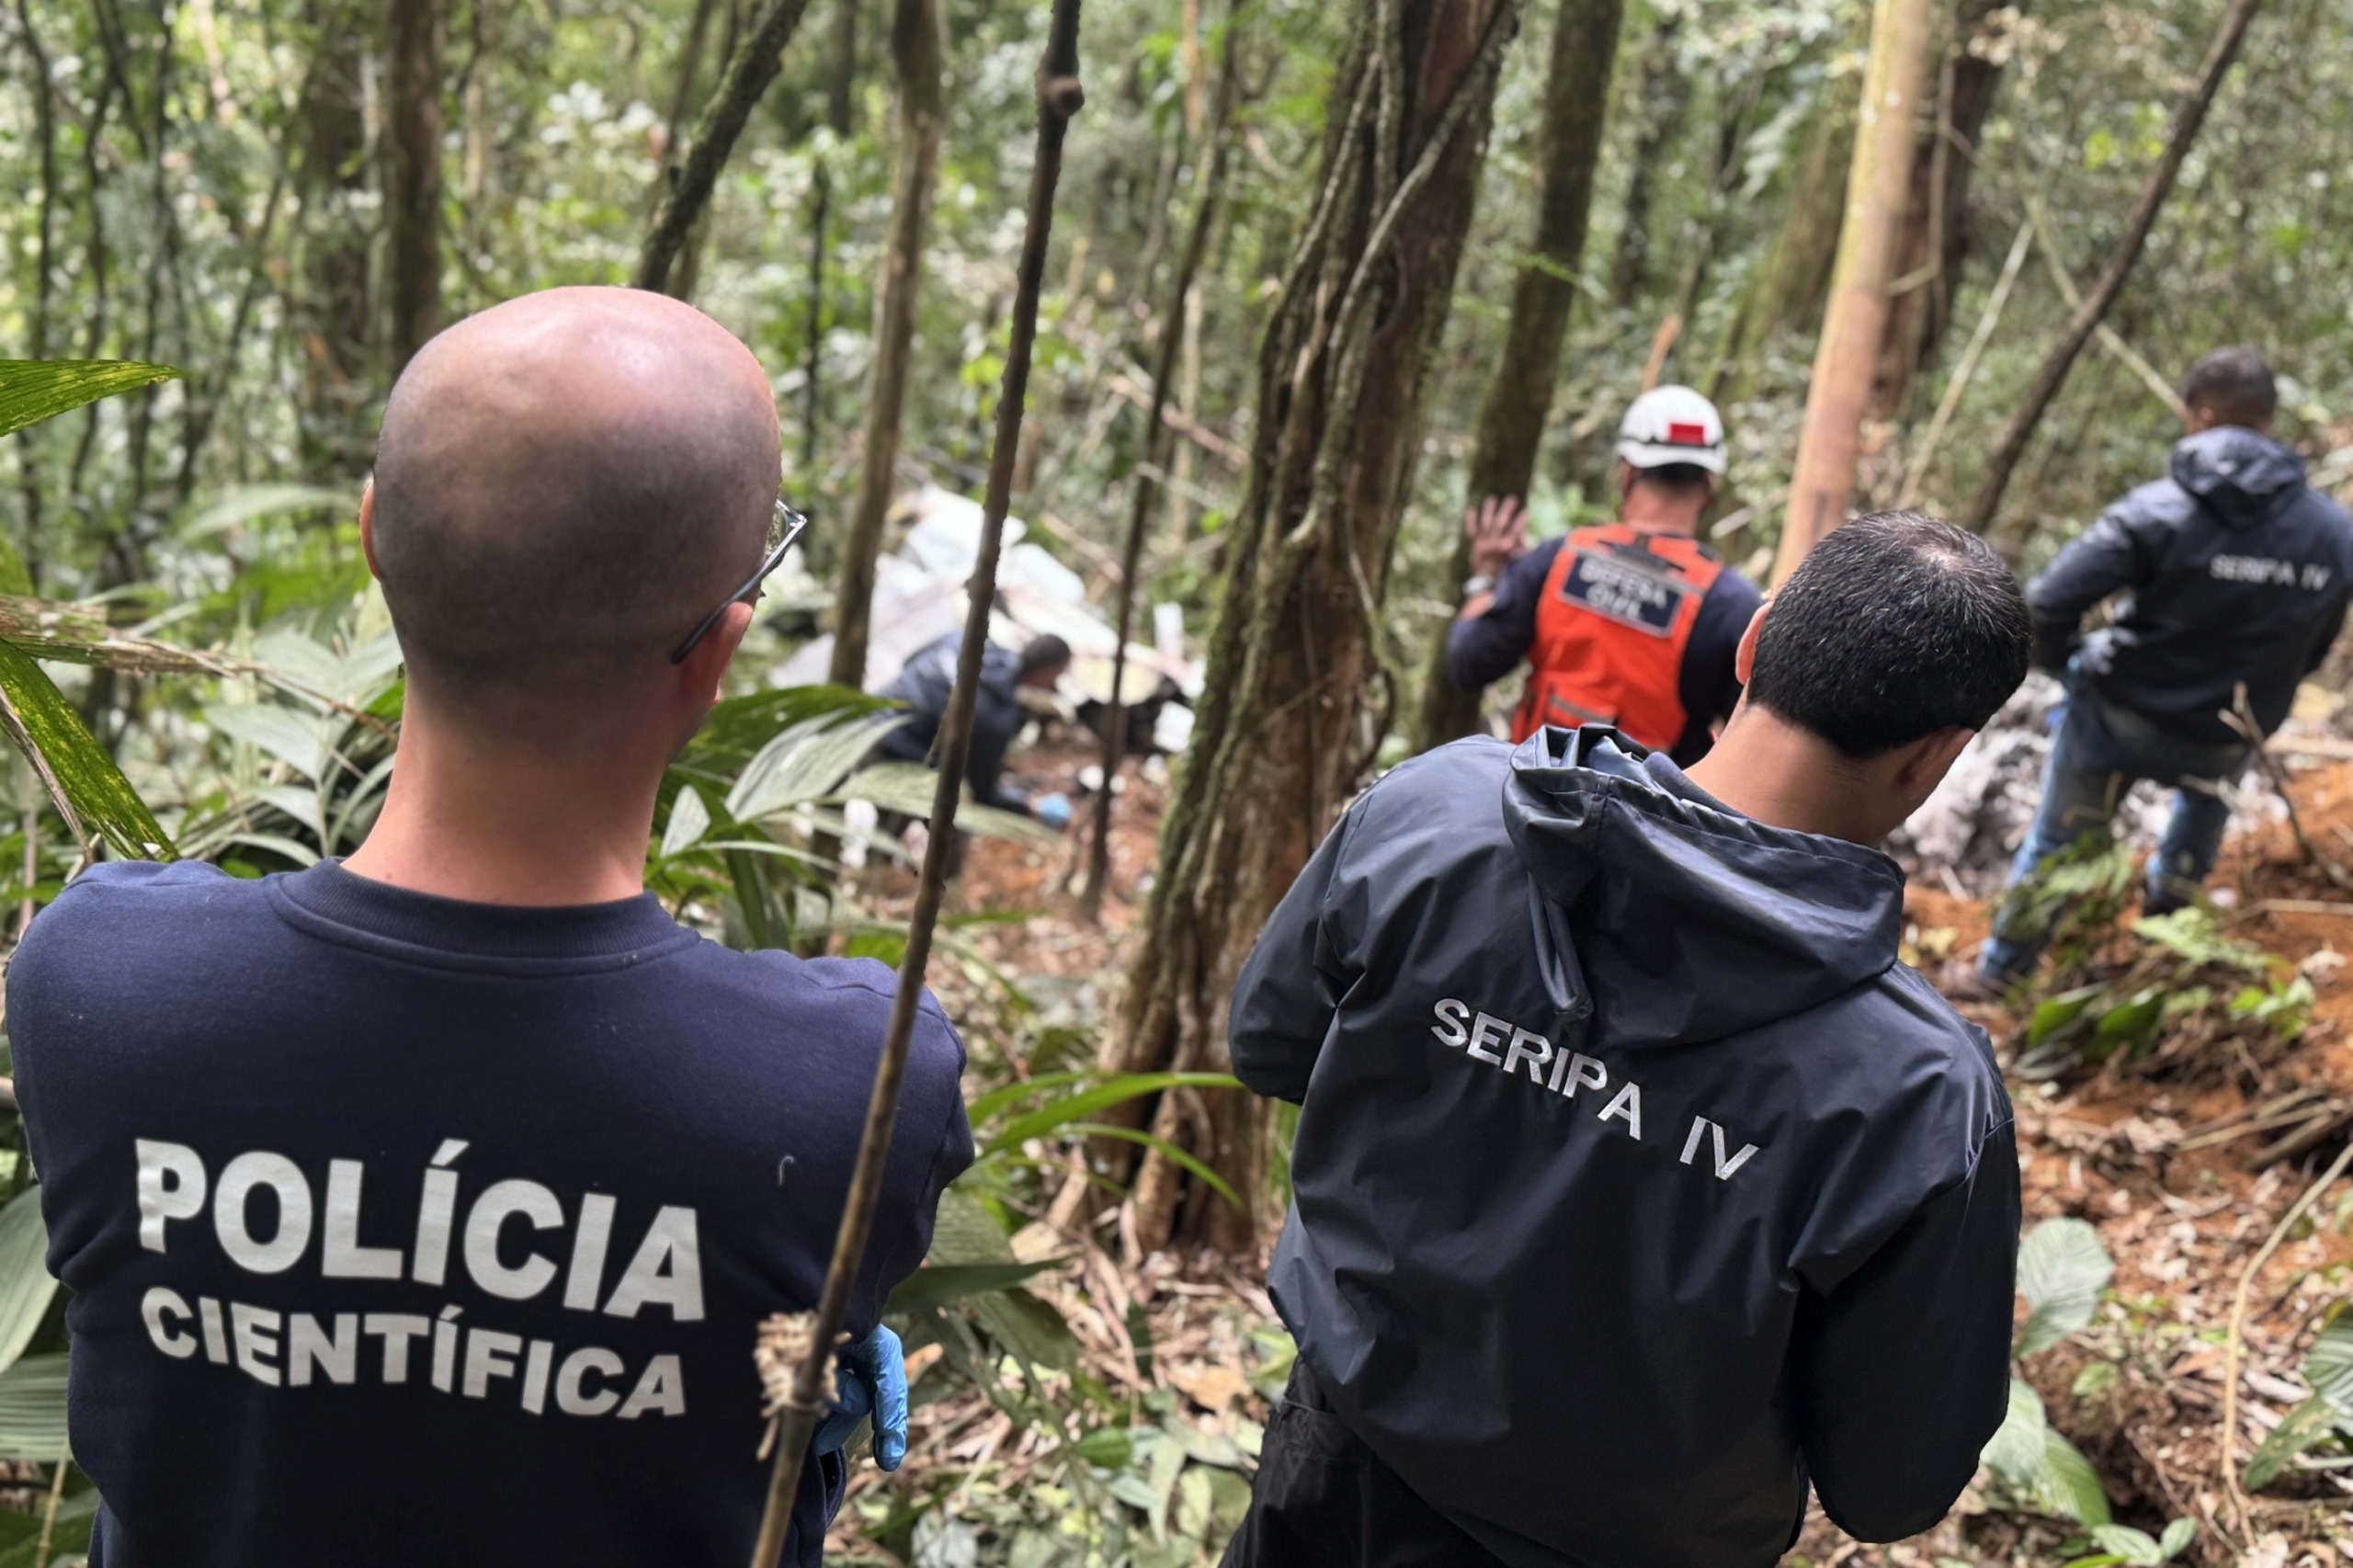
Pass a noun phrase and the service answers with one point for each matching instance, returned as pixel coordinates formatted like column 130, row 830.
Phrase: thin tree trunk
column 1936, row 228
column 1660, row 100
column 95, row 262
column 2086, row 319
column 682, row 93
column 414, row 43
column 1289, row 718
column 1520, row 398
column 917, row 49
column 752, row 66
column 44, row 127
column 1855, row 322
column 1151, row 461
column 331, row 308
column 686, row 272
column 1059, row 97
column 840, row 102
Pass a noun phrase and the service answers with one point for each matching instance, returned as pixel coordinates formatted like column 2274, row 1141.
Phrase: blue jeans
column 2102, row 751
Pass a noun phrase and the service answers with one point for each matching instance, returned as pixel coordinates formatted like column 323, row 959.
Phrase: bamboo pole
column 1879, row 189
column 1060, row 95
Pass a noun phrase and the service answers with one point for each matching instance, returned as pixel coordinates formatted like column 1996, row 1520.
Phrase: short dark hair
column 2235, row 386
column 1896, row 625
column 1675, row 479
column 1046, row 652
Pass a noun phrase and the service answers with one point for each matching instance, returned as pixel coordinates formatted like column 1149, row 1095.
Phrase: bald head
column 565, row 484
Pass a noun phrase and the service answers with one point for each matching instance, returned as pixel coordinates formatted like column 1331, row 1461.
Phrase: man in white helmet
column 1635, row 624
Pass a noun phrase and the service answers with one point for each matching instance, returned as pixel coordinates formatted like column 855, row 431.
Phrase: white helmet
column 1672, row 425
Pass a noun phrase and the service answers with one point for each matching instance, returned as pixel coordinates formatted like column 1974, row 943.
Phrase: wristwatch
column 1477, row 584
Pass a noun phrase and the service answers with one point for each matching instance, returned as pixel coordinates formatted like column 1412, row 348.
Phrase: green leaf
column 2015, row 1452
column 2135, row 1547
column 910, row 789
column 1215, row 1182
column 90, row 792
column 2063, row 1268
column 1028, row 1328
column 804, row 764
column 1108, row 1447
column 2301, row 1428
column 935, row 1286
column 2055, row 1014
column 964, row 1233
column 2069, row 1485
column 32, row 1409
column 35, row 390
column 689, row 820
column 1083, row 1105
column 25, row 1287
column 2132, row 1019
column 2177, row 1536
column 276, row 730
column 248, row 501
column 2328, row 1365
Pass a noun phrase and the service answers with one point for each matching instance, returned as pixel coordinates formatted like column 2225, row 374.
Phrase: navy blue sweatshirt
column 1636, row 1182
column 403, row 1230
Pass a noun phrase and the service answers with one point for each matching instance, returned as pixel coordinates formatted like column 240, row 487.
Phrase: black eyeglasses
column 784, row 530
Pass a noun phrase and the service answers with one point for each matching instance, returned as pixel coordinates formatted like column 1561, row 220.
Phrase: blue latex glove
column 1053, row 810
column 872, row 1375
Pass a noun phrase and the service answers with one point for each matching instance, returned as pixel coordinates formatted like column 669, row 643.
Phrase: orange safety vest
column 1616, row 615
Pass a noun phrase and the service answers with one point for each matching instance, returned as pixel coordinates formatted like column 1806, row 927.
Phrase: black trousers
column 1325, row 1500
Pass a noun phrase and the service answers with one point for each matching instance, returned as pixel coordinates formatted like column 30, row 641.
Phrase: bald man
column 419, row 1208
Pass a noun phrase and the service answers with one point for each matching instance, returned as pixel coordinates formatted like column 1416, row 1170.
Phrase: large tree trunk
column 1856, row 321
column 1659, row 101
column 331, row 309
column 1936, row 229
column 915, row 51
column 1289, row 723
column 1511, row 419
column 2088, row 317
column 413, row 177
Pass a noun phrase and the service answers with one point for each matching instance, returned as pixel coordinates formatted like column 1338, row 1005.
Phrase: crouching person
column 421, row 1208
column 1637, row 1184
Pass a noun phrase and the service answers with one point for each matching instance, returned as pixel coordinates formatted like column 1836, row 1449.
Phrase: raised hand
column 1497, row 528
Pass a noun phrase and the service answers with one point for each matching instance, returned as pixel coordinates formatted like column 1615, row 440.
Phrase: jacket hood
column 1669, row 919
column 2242, row 478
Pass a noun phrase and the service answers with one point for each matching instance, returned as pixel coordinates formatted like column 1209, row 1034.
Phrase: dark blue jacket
column 2239, row 573
column 407, row 1231
column 1636, row 1182
column 924, row 686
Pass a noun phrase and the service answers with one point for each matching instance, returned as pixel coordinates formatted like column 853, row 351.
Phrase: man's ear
column 1744, row 659
column 706, row 662
column 1924, row 764
column 368, row 526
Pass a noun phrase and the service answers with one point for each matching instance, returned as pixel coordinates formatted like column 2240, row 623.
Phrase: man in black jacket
column 2239, row 573
column 1636, row 1183
column 997, row 715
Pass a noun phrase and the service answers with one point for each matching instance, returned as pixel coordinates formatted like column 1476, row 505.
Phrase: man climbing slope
column 1633, row 624
column 1637, row 1184
column 2239, row 575
column 421, row 1208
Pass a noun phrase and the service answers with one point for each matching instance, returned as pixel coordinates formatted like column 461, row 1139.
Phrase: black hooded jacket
column 2239, row 573
column 997, row 715
column 1635, row 1180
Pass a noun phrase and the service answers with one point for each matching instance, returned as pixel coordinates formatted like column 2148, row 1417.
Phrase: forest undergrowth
column 2182, row 1134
